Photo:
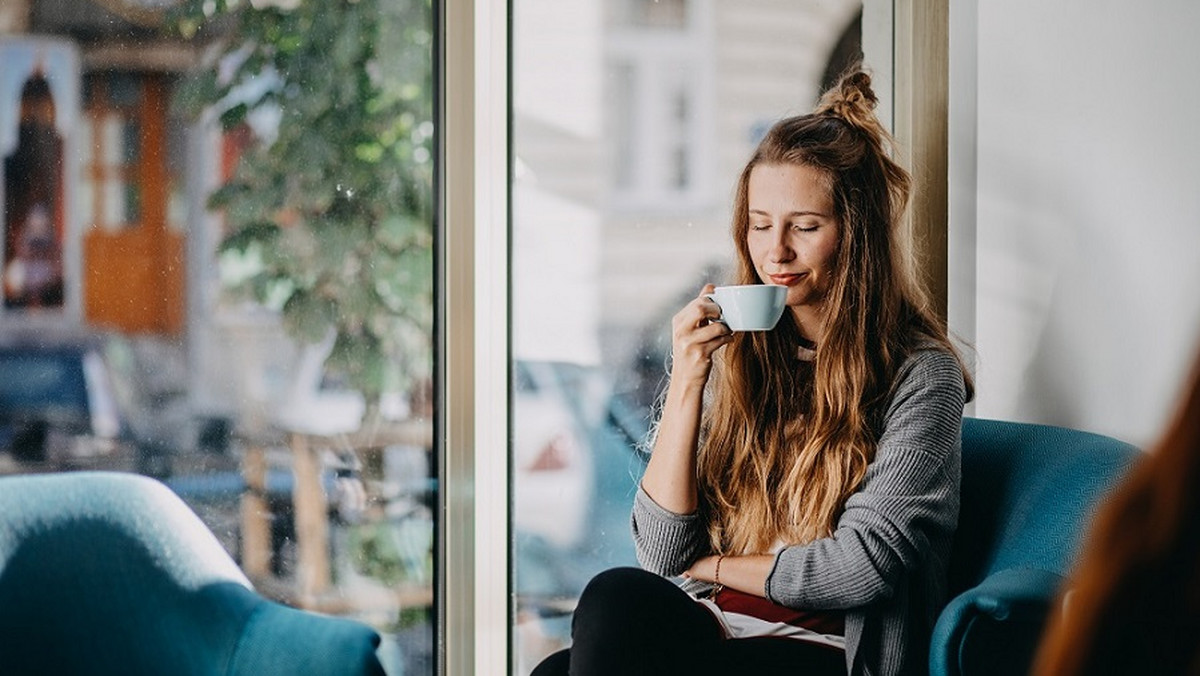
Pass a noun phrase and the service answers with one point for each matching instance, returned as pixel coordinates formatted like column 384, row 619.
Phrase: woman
column 803, row 481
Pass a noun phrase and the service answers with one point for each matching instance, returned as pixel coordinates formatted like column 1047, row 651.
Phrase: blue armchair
column 1028, row 493
column 106, row 573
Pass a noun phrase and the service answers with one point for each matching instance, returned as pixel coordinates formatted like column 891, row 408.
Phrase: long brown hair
column 1134, row 600
column 785, row 442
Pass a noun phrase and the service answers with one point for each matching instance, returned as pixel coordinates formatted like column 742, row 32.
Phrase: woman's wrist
column 683, row 388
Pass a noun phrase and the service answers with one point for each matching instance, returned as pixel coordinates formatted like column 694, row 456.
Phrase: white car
column 552, row 462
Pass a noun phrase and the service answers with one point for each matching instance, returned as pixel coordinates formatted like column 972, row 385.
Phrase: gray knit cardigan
column 885, row 563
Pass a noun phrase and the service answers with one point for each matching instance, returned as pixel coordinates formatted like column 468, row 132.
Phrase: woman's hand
column 695, row 336
column 704, row 568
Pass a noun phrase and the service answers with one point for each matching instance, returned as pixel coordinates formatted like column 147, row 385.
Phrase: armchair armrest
column 993, row 627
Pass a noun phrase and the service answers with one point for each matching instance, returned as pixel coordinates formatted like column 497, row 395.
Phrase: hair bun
column 850, row 99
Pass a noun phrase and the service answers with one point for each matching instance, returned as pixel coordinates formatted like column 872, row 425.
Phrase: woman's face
column 793, row 235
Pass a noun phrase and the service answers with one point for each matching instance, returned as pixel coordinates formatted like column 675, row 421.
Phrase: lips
column 786, row 279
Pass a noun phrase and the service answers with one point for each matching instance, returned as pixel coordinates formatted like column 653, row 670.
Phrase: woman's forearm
column 744, row 573
column 670, row 476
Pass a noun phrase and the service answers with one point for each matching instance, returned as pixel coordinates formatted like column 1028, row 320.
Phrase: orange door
column 133, row 257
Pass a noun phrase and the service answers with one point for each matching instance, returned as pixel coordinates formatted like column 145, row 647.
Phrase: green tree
column 329, row 211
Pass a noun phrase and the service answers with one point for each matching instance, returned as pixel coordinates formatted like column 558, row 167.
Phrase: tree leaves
column 334, row 201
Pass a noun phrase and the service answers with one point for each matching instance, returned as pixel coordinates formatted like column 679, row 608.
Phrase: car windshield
column 46, row 384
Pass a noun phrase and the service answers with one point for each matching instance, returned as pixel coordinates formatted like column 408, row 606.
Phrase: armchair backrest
column 107, row 573
column 1028, row 494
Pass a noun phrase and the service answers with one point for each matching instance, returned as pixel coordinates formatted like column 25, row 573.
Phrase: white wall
column 1088, row 209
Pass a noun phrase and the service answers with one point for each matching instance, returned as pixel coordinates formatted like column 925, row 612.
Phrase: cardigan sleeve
column 666, row 543
column 907, row 503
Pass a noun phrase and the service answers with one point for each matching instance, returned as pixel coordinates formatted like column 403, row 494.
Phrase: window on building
column 658, row 85
column 112, row 143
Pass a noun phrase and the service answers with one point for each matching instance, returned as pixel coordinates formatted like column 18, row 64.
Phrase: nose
column 781, row 249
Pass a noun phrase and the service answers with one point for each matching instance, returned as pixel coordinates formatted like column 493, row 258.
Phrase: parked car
column 576, row 465
column 60, row 408
column 77, row 402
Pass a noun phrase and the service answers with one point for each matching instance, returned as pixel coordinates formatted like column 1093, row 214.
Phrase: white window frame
column 471, row 433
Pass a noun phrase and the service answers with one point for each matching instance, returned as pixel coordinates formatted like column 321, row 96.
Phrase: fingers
column 698, row 320
column 696, row 335
column 701, row 311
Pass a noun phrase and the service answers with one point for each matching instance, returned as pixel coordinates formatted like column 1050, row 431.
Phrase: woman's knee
column 615, row 581
column 631, row 601
column 556, row 664
column 628, row 591
column 614, row 592
column 630, row 621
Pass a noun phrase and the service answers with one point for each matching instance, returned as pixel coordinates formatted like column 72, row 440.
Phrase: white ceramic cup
column 752, row 307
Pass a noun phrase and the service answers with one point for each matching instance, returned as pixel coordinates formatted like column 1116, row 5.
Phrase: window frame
column 472, row 310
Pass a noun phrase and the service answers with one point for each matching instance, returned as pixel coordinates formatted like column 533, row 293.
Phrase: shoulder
column 927, row 395
column 930, row 364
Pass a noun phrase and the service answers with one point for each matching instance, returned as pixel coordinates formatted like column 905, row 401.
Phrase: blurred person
column 803, row 481
column 1133, row 604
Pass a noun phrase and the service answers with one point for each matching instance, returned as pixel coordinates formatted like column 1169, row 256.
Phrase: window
column 253, row 250
column 36, row 111
column 687, row 87
column 238, row 365
column 659, row 93
column 112, row 150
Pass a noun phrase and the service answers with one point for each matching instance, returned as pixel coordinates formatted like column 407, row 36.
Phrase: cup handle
column 713, row 298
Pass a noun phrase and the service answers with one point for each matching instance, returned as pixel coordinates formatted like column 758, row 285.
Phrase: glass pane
column 176, row 188
column 112, row 138
column 653, row 13
column 115, row 195
column 616, row 222
column 265, row 336
column 133, row 203
column 124, row 90
column 621, row 85
column 131, row 143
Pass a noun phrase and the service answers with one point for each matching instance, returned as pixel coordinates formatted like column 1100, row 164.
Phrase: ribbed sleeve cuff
column 666, row 541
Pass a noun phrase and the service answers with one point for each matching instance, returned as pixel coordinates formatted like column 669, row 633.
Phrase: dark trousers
column 632, row 623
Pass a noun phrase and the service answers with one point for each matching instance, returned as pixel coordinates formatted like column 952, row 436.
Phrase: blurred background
column 218, row 236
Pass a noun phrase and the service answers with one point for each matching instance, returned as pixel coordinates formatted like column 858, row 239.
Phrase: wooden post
column 256, row 515
column 922, row 83
column 312, row 523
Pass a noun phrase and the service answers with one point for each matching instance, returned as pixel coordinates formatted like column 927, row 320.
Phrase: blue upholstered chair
column 1028, row 494
column 105, row 573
